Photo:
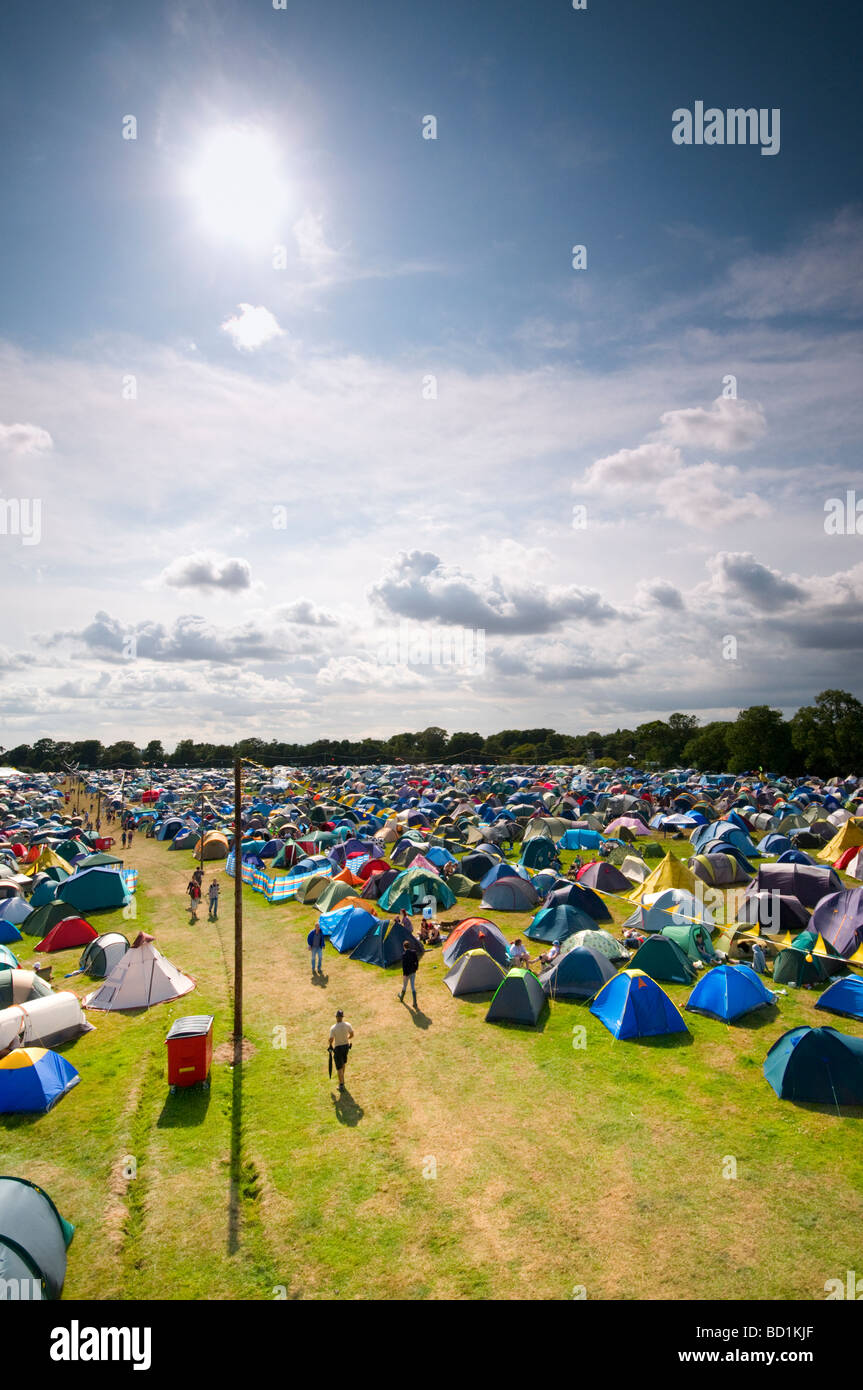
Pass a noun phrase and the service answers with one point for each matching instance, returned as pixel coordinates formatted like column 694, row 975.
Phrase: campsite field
column 467, row 1160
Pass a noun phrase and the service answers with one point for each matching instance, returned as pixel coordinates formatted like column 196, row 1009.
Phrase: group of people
column 194, row 892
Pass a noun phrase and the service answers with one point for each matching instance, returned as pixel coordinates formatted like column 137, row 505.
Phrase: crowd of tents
column 364, row 845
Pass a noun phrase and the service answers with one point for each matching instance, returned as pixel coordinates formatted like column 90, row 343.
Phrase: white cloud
column 252, row 327
column 728, row 425
column 25, row 439
column 206, row 571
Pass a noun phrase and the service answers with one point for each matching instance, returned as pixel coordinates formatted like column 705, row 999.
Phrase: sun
column 237, row 186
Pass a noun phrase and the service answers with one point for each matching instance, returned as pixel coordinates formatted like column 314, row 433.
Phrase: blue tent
column 728, row 992
column 14, row 910
column 576, row 895
column 538, row 853
column 94, row 889
column 819, row 1065
column 557, row 923
column 8, row 932
column 384, row 944
column 347, row 927
column 579, row 839
column 32, row 1079
column 632, row 1005
column 844, row 996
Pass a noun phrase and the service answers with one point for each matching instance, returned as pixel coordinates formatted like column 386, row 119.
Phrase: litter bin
column 190, row 1050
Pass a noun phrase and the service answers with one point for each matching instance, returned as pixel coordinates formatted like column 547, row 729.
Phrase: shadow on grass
column 188, row 1106
column 758, row 1018
column 236, row 1163
column 846, row 1112
column 664, row 1042
column 418, row 1018
column 510, row 1025
column 347, row 1111
column 321, row 981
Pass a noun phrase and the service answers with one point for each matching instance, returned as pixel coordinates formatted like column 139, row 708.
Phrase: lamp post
column 238, row 910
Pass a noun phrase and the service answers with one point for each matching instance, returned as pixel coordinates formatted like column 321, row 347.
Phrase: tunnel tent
column 34, row 1237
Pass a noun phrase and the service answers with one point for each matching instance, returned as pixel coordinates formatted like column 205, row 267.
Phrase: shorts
column 340, row 1055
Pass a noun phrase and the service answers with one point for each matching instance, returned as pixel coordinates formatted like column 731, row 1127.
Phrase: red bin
column 190, row 1049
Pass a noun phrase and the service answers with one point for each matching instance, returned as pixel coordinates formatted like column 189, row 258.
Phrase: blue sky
column 407, row 258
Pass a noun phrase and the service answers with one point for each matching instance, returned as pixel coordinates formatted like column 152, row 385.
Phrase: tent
column 580, row 896
column 670, row 873
column 819, row 1065
column 729, row 992
column 663, row 960
column 474, row 972
column 719, row 869
column 670, row 907
column 797, row 967
column 100, row 956
column 346, row 927
column 577, row 975
column 774, row 912
column 21, row 986
column 597, row 940
column 475, row 933
column 557, row 923
column 604, row 877
column 632, row 1005
column 8, row 957
column 413, row 887
column 8, row 932
column 141, row 978
column 33, row 1237
column 32, row 1080
column 215, row 846
column 40, row 922
column 844, row 996
column 334, row 894
column 93, row 890
column 45, row 1022
column 693, row 939
column 839, row 919
column 848, row 836
column 311, row 890
column 14, row 910
column 510, row 895
column 519, row 998
column 71, row 931
column 384, row 942
column 809, row 883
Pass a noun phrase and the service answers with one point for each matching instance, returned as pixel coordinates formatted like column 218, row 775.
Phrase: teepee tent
column 141, row 978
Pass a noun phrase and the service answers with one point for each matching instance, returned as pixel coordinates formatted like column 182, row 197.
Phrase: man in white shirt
column 341, row 1035
column 517, row 954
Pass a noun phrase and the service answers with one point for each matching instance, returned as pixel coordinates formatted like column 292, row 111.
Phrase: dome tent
column 33, row 1237
column 632, row 1005
column 33, row 1080
column 818, row 1065
column 474, row 972
column 578, row 974
column 729, row 992
column 519, row 998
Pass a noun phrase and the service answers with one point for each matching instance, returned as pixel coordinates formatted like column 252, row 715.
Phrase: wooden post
column 238, row 910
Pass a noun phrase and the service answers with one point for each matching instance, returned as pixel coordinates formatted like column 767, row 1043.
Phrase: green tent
column 519, row 998
column 692, row 939
column 663, row 960
column 334, row 894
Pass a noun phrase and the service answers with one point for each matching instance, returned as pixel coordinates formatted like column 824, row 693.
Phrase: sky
column 315, row 423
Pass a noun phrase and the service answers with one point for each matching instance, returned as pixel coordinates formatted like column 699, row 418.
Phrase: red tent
column 69, row 932
column 372, row 866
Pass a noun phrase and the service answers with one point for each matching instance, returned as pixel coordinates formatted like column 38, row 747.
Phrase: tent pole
column 238, row 908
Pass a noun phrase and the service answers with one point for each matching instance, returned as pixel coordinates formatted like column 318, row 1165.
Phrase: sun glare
column 237, row 186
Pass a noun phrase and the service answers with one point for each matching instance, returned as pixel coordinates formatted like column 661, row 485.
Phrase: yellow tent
column 47, row 860
column 848, row 836
column 671, row 873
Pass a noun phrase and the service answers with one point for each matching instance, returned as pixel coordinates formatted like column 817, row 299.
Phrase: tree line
column 824, row 738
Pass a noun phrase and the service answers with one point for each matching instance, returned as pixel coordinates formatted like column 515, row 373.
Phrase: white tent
column 143, row 977
column 42, row 1022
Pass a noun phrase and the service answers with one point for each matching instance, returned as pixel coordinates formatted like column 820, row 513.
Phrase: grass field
column 466, row 1160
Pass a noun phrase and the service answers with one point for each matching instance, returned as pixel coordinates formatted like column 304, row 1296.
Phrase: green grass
column 468, row 1160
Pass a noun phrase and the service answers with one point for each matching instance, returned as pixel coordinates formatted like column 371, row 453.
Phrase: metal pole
column 238, row 904
column 201, row 838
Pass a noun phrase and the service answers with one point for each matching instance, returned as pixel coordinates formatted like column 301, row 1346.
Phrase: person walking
column 410, row 965
column 213, row 896
column 340, row 1043
column 124, row 839
column 315, row 942
column 194, row 892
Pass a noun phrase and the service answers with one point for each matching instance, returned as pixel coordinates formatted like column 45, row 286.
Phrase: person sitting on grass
column 429, row 932
column 547, row 958
column 517, row 953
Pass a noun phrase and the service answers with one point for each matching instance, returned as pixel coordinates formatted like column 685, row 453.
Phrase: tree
column 708, row 748
column 464, row 744
column 759, row 738
column 829, row 734
column 154, row 753
column 122, row 754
